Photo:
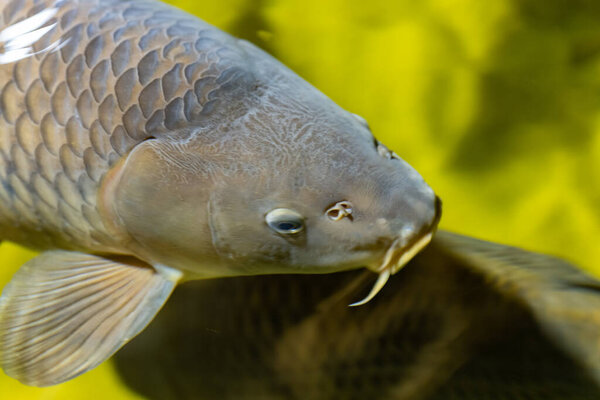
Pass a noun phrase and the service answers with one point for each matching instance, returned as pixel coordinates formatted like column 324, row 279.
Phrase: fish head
column 271, row 181
column 333, row 199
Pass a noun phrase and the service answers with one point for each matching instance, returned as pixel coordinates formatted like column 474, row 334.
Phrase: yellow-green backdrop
column 496, row 103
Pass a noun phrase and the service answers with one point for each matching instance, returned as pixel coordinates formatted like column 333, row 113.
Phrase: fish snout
column 410, row 208
column 407, row 246
column 411, row 239
column 409, row 242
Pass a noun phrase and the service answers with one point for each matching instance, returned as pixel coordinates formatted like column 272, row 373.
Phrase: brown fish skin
column 122, row 76
column 130, row 71
column 140, row 147
column 466, row 319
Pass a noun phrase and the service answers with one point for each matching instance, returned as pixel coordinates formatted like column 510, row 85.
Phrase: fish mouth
column 399, row 254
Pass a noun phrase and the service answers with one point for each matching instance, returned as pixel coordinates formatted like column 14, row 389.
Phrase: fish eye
column 285, row 221
column 362, row 121
column 383, row 151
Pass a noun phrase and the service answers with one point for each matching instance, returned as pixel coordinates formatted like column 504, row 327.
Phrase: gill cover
column 156, row 199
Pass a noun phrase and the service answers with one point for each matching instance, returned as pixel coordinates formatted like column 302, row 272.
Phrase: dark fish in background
column 141, row 147
column 466, row 320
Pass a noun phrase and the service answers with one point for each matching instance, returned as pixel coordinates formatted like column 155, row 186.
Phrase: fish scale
column 68, row 116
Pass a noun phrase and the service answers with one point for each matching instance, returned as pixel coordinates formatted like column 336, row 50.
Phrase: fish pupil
column 288, row 225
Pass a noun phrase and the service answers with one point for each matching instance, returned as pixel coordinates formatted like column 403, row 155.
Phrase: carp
column 141, row 147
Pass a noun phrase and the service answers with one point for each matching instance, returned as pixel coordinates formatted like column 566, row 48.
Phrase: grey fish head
column 334, row 200
column 274, row 178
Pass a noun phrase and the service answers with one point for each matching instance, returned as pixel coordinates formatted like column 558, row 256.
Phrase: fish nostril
column 346, row 206
column 340, row 210
column 333, row 214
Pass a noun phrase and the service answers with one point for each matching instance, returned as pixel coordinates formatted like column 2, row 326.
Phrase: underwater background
column 495, row 103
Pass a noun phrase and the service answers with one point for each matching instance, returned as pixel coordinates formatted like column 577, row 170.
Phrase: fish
column 466, row 319
column 141, row 148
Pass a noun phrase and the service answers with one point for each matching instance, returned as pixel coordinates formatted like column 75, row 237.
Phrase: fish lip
column 399, row 254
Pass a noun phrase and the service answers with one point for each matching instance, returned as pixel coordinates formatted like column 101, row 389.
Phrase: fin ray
column 59, row 323
column 75, row 305
column 64, row 313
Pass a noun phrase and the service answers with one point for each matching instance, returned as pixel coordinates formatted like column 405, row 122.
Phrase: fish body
column 140, row 147
column 116, row 74
column 466, row 320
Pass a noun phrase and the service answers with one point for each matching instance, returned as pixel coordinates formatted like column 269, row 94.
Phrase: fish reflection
column 465, row 320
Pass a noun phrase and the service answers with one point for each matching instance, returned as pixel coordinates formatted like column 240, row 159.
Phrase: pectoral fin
column 64, row 313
